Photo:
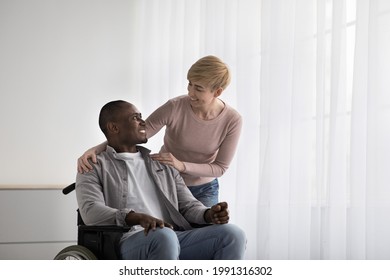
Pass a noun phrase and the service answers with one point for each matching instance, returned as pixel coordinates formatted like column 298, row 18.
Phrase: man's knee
column 158, row 244
column 164, row 235
column 232, row 231
column 234, row 240
column 164, row 243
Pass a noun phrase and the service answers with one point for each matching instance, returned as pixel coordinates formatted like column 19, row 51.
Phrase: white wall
column 60, row 61
column 36, row 224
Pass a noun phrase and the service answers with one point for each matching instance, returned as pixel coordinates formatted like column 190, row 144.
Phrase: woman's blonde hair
column 210, row 70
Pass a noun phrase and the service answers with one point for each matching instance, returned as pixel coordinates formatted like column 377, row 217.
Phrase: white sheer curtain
column 325, row 119
column 310, row 78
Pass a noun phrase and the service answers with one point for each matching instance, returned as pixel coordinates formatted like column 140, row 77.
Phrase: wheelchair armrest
column 69, row 188
column 104, row 228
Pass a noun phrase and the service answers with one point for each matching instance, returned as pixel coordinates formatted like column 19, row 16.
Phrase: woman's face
column 200, row 95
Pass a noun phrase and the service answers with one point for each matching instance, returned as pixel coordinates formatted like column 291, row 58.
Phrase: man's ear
column 112, row 127
column 218, row 92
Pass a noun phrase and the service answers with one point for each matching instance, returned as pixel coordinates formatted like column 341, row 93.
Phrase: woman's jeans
column 206, row 193
column 215, row 242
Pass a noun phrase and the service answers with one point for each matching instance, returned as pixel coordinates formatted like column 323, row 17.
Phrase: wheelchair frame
column 93, row 242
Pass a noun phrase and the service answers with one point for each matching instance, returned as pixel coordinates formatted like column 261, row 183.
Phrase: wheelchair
column 93, row 242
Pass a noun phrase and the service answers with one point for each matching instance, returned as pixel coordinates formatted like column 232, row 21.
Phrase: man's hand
column 218, row 214
column 146, row 221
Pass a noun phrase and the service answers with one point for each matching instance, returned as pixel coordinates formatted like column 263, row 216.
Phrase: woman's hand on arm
column 169, row 159
column 83, row 164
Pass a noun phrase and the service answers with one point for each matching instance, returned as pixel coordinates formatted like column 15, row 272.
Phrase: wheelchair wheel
column 75, row 252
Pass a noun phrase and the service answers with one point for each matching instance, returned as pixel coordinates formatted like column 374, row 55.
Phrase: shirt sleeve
column 92, row 206
column 191, row 208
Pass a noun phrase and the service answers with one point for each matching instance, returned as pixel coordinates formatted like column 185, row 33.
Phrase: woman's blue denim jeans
column 206, row 193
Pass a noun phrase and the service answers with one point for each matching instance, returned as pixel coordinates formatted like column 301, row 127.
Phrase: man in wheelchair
column 127, row 188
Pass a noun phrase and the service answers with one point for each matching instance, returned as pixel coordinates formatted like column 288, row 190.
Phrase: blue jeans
column 206, row 193
column 215, row 242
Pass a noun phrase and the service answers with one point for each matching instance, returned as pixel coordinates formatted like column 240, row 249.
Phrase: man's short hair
column 109, row 113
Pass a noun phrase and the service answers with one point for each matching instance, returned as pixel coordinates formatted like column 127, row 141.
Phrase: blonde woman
column 201, row 131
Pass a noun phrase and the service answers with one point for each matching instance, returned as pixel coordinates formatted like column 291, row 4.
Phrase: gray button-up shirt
column 102, row 192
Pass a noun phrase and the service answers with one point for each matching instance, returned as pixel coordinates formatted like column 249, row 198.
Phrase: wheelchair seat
column 93, row 242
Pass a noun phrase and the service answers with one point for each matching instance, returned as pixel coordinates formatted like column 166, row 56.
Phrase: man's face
column 131, row 126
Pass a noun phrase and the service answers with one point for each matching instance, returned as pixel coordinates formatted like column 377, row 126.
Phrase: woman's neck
column 211, row 111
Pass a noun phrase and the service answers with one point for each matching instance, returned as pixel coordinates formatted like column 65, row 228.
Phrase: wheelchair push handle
column 69, row 188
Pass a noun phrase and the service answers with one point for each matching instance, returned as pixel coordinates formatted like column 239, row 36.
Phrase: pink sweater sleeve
column 223, row 158
column 157, row 120
column 205, row 147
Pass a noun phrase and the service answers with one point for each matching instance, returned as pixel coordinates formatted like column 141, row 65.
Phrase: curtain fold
column 310, row 78
column 378, row 130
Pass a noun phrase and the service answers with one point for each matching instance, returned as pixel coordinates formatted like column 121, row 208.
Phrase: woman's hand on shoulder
column 83, row 165
column 169, row 159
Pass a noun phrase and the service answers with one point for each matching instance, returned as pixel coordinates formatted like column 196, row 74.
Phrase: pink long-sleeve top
column 206, row 147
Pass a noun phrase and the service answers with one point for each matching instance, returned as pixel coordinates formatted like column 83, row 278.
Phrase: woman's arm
column 224, row 156
column 83, row 165
column 158, row 119
column 187, row 164
column 216, row 168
